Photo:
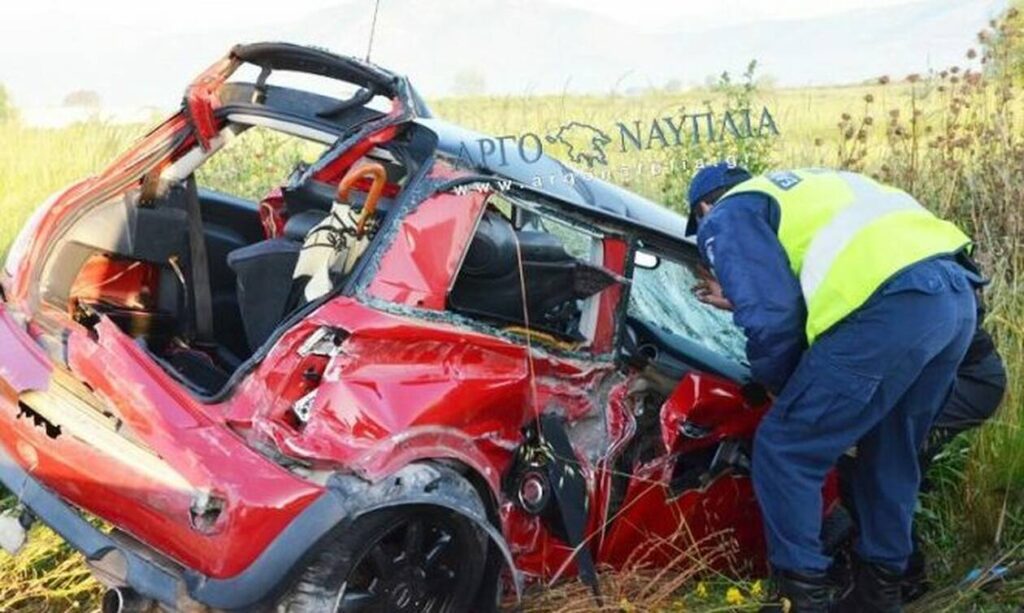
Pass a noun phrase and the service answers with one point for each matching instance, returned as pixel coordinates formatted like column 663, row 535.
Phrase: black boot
column 799, row 593
column 875, row 590
column 915, row 582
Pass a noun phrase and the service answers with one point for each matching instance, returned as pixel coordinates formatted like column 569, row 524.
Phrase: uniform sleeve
column 738, row 239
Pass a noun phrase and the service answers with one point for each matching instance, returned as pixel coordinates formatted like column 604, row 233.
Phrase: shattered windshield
column 662, row 296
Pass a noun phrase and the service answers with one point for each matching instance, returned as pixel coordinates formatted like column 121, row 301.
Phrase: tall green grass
column 34, row 162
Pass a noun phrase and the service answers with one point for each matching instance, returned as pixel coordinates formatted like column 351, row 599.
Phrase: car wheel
column 415, row 558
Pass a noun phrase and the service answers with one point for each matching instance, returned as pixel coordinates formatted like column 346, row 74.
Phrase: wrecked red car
column 406, row 379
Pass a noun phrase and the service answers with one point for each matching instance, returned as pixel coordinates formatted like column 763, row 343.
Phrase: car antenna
column 373, row 28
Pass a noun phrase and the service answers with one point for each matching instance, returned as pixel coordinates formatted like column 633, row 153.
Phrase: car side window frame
column 591, row 305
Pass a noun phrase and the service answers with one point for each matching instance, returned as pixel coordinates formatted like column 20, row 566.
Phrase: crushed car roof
column 551, row 177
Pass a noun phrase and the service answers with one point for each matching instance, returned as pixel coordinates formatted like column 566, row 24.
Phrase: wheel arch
column 441, row 482
column 498, row 553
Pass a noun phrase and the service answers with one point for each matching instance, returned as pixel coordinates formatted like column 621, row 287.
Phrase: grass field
column 955, row 141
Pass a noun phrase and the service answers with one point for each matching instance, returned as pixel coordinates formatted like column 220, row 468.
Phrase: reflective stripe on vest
column 845, row 235
column 869, row 204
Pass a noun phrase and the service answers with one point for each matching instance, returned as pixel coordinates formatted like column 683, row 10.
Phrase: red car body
column 218, row 497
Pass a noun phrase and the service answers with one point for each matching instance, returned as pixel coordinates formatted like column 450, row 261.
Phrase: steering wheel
column 375, row 171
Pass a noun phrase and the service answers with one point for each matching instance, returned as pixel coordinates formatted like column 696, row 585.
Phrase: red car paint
column 420, row 273
column 401, row 387
column 202, row 99
column 172, row 424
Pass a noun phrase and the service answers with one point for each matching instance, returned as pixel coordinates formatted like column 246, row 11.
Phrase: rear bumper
column 346, row 498
column 83, row 536
column 259, row 583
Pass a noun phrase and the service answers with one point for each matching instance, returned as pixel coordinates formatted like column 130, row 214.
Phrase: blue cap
column 707, row 180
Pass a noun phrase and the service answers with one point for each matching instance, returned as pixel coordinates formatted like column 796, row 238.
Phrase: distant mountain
column 535, row 46
column 518, row 46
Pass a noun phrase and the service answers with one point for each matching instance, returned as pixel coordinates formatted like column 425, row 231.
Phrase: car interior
column 517, row 249
column 139, row 261
column 669, row 329
column 133, row 260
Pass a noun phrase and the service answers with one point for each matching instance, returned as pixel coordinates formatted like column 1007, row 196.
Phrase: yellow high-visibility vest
column 846, row 234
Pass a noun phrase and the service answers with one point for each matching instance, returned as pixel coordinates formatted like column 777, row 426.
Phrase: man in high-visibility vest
column 857, row 315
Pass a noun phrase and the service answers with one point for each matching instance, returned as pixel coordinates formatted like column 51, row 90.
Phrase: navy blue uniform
column 739, row 241
column 875, row 380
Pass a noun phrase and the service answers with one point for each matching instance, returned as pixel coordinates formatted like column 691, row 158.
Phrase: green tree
column 753, row 153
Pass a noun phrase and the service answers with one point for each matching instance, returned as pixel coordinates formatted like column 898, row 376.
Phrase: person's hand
column 709, row 291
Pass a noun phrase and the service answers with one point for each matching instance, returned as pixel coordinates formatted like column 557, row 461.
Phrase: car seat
column 264, row 274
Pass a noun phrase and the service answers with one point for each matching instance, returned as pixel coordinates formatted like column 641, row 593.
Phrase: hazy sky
column 23, row 22
column 719, row 12
column 50, row 47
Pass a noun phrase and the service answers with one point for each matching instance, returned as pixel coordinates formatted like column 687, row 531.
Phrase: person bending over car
column 857, row 314
column 977, row 393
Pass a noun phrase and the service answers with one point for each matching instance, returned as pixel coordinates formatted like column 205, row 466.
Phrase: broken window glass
column 662, row 296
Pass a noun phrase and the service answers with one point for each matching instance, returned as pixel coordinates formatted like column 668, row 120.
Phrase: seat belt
column 202, row 301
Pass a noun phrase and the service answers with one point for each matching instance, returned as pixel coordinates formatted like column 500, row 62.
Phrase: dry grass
column 674, row 573
column 46, row 576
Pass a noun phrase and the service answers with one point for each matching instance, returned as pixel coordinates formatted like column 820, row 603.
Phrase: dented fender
column 346, row 498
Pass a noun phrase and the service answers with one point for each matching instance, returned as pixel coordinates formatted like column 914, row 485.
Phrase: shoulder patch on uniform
column 783, row 179
column 709, row 251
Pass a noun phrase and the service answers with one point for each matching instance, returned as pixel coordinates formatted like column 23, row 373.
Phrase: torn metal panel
column 432, row 240
column 704, row 410
column 382, row 390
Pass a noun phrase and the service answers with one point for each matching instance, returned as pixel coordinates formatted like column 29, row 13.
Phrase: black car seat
column 488, row 284
column 319, row 248
column 264, row 272
column 276, row 275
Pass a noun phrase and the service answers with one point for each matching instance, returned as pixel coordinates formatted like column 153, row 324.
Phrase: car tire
column 416, row 558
